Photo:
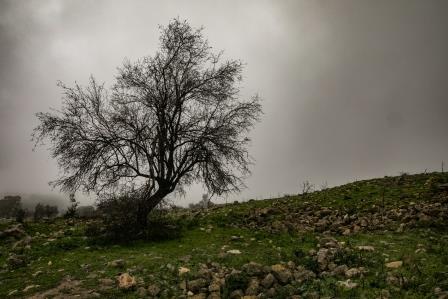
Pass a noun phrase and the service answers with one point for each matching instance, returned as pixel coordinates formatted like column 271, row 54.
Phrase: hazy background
column 352, row 89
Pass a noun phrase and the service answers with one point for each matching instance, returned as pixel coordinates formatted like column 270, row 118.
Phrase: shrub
column 94, row 229
column 72, row 209
column 20, row 215
column 119, row 217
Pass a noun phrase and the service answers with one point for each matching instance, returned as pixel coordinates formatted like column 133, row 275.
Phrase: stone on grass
column 234, row 251
column 117, row 263
column 153, row 290
column 30, row 287
column 253, row 287
column 253, row 269
column 215, row 286
column 141, row 292
column 282, row 274
column 366, row 248
column 183, row 270
column 13, row 292
column 394, row 265
column 354, row 272
column 268, row 281
column 106, row 282
column 347, row 284
column 197, row 284
column 126, row 281
column 236, row 294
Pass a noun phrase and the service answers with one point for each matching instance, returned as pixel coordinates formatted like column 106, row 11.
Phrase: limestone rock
column 282, row 274
column 268, row 281
column 394, row 265
column 120, row 263
column 366, row 248
column 253, row 269
column 196, row 285
column 347, row 284
column 153, row 290
column 126, row 281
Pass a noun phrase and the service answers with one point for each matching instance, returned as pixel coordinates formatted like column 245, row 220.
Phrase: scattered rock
column 394, row 265
column 236, row 294
column 30, row 287
column 15, row 261
column 268, row 281
column 282, row 274
column 126, row 281
column 183, row 271
column 253, row 269
column 215, row 286
column 13, row 292
column 141, row 292
column 196, row 285
column 153, row 290
column 106, row 282
column 366, row 248
column 355, row 272
column 15, row 231
column 37, row 273
column 253, row 287
column 340, row 270
column 347, row 284
column 234, row 251
column 120, row 263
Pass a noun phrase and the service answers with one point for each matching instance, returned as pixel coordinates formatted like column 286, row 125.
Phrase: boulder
column 197, row 284
column 282, row 274
column 253, row 269
column 253, row 287
column 215, row 286
column 268, row 281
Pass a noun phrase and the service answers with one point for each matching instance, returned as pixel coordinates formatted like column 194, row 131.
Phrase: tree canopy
column 169, row 120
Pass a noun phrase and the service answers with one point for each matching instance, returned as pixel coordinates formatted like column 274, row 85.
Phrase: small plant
column 72, row 209
column 20, row 215
column 306, row 188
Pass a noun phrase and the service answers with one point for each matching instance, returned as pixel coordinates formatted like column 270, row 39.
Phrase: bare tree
column 306, row 187
column 169, row 120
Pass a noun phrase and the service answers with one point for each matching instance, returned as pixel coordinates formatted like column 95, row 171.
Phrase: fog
column 351, row 89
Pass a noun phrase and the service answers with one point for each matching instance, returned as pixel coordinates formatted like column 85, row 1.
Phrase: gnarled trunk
column 147, row 205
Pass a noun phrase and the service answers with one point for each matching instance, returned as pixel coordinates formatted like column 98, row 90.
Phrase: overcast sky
column 351, row 89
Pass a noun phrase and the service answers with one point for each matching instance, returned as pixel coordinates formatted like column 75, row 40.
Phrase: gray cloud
column 352, row 89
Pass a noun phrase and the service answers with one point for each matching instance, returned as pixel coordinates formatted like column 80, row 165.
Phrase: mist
column 351, row 89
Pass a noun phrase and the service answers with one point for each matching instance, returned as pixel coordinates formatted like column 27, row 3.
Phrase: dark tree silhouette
column 169, row 120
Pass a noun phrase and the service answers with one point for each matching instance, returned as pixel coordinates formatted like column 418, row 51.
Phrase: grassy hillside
column 381, row 238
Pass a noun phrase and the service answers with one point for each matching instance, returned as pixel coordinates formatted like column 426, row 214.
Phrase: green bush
column 120, row 221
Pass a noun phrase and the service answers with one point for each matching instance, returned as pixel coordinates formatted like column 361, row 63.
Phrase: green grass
column 209, row 235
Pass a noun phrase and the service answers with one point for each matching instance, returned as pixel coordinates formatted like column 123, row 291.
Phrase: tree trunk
column 146, row 206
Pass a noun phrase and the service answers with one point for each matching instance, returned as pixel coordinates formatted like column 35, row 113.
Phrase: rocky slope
column 383, row 238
